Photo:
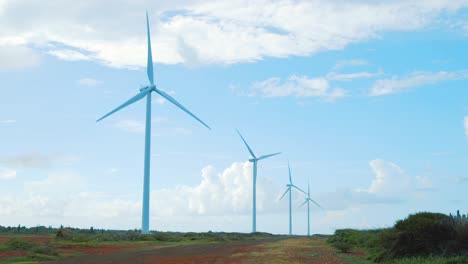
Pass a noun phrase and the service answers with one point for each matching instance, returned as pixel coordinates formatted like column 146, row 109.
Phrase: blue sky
column 366, row 100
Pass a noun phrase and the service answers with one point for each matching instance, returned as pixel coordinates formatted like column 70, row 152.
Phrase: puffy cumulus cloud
column 221, row 201
column 218, row 193
column 390, row 179
column 415, row 79
column 297, row 86
column 391, row 185
column 17, row 57
column 200, row 32
column 61, row 198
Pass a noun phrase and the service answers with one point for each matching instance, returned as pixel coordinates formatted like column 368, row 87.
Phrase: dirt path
column 295, row 250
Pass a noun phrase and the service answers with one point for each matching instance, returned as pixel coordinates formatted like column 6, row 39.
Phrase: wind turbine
column 146, row 92
column 289, row 189
column 307, row 201
column 254, row 160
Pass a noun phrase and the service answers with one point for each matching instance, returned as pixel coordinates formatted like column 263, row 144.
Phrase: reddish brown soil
column 98, row 250
column 327, row 256
column 208, row 253
column 263, row 251
column 12, row 253
column 37, row 239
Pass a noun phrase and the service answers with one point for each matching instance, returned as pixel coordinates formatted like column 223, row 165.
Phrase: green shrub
column 420, row 234
column 343, row 247
column 19, row 244
column 431, row 237
column 366, row 239
column 430, row 260
column 44, row 250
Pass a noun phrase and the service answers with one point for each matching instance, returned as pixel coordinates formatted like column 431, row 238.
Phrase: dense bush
column 343, row 246
column 424, row 234
column 432, row 236
column 82, row 237
column 346, row 239
column 45, row 250
column 19, row 244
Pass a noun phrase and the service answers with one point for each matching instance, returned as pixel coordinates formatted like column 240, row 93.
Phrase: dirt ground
column 295, row 250
column 278, row 250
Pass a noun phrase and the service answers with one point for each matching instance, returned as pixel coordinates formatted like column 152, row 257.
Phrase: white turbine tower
column 289, row 189
column 307, row 201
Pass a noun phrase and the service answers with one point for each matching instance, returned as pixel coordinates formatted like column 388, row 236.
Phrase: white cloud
column 17, row 57
column 466, row 126
column 334, row 76
column 37, row 160
column 62, row 185
column 200, row 32
column 7, row 174
column 8, row 121
column 297, row 86
column 221, row 201
column 391, row 180
column 415, row 79
column 390, row 186
column 88, row 82
column 60, row 198
column 69, row 55
column 218, row 193
column 133, row 126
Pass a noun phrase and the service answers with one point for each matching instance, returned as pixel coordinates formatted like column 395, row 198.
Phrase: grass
column 353, row 259
column 430, row 260
column 292, row 250
column 72, row 237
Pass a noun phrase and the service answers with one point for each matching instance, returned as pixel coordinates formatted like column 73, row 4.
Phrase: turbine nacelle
column 252, row 160
column 150, row 87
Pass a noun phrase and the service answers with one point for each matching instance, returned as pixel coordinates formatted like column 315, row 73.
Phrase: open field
column 247, row 249
column 421, row 238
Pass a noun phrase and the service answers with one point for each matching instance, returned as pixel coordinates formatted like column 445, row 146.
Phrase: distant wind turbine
column 146, row 92
column 254, row 160
column 307, row 201
column 289, row 189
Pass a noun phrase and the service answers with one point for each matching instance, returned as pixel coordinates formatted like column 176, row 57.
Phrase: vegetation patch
column 420, row 238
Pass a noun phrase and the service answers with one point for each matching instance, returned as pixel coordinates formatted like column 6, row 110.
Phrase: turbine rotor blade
column 289, row 169
column 287, row 190
column 299, row 189
column 308, row 188
column 132, row 100
column 303, row 203
column 149, row 66
column 316, row 203
column 247, row 145
column 269, row 155
column 172, row 100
